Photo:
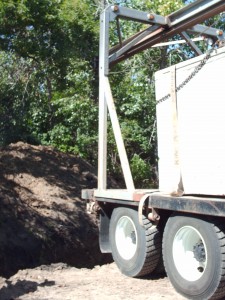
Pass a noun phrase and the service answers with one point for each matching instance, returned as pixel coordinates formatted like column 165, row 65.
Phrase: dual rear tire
column 193, row 251
column 136, row 249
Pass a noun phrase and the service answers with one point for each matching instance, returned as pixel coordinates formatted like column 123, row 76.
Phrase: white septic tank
column 191, row 126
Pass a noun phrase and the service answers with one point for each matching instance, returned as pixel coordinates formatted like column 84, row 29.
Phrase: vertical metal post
column 103, row 71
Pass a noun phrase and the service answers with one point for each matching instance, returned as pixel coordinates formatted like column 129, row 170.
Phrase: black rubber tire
column 147, row 240
column 160, row 269
column 211, row 281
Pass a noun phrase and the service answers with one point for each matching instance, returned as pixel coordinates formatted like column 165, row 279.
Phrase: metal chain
column 195, row 71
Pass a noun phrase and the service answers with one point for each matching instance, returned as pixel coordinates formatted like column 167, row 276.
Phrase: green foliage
column 143, row 175
column 15, row 91
column 161, row 7
column 74, row 127
column 48, row 85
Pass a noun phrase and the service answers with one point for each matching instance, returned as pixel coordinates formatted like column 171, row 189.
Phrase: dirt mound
column 42, row 218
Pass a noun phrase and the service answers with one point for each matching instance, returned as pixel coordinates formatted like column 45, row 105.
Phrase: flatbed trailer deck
column 154, row 199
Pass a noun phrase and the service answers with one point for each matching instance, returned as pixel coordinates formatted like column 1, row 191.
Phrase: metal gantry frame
column 183, row 22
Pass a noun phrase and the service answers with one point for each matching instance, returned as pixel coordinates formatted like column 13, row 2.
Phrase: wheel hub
column 199, row 252
column 189, row 253
column 126, row 237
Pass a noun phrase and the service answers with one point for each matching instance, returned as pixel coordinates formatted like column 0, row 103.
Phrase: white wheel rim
column 189, row 253
column 126, row 237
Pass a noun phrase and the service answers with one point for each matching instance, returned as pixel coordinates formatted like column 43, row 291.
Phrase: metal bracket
column 152, row 216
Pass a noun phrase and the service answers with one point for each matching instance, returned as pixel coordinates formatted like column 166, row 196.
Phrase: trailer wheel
column 194, row 256
column 135, row 249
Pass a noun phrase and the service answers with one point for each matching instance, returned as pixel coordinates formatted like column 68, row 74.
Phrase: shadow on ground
column 12, row 291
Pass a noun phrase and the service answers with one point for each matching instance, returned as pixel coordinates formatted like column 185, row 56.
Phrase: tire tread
column 219, row 228
column 153, row 247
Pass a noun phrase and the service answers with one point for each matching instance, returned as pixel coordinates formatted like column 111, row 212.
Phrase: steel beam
column 186, row 18
column 118, row 136
column 195, row 13
column 191, row 43
column 135, row 15
column 132, row 43
column 103, row 70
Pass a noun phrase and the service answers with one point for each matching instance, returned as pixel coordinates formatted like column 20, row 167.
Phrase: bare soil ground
column 59, row 281
column 48, row 243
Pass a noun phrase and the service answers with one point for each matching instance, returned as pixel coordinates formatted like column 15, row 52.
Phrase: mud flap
column 104, row 233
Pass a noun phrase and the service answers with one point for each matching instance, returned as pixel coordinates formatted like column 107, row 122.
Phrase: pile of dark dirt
column 42, row 217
